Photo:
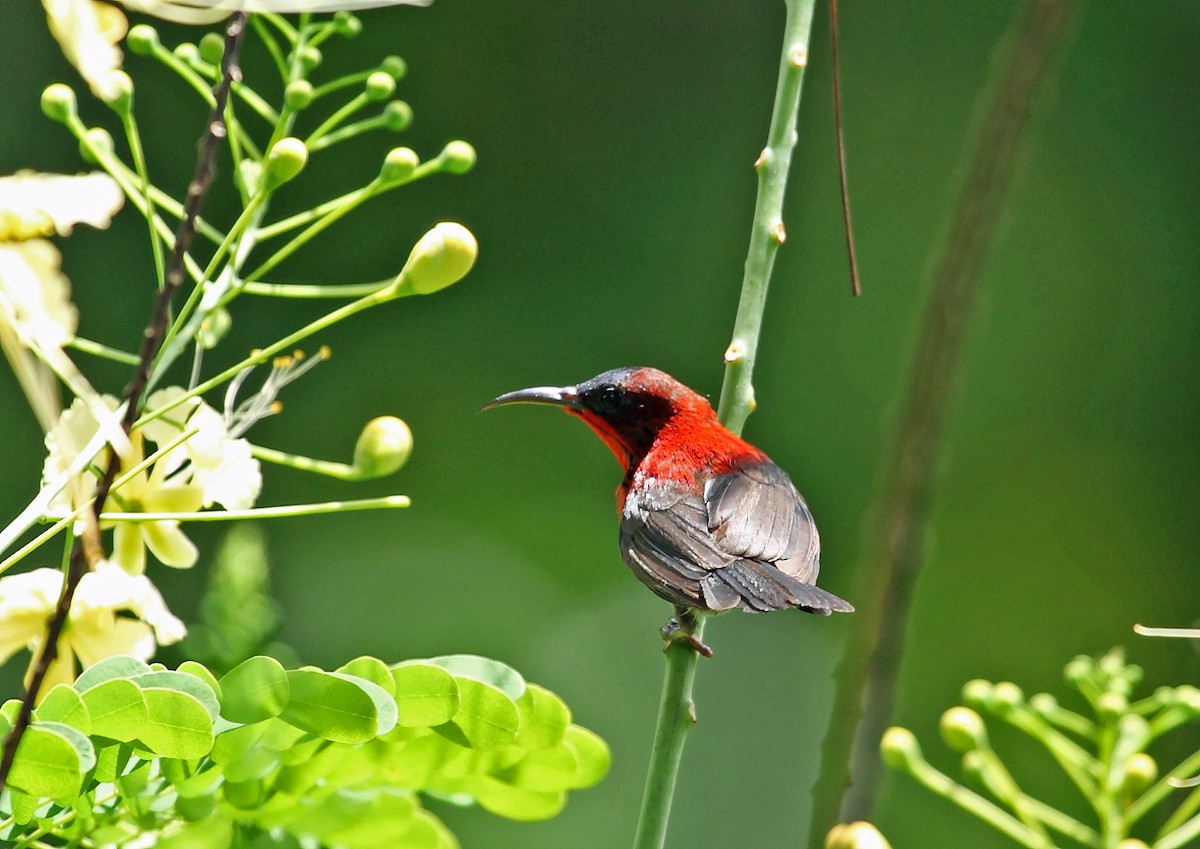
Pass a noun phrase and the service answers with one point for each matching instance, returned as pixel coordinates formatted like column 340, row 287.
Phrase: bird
column 707, row 521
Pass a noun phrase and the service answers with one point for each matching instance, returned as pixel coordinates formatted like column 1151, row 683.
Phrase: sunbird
column 708, row 522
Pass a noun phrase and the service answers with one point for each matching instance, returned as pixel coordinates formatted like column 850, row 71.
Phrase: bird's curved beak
column 559, row 396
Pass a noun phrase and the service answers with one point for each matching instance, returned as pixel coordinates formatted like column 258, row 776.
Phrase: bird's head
column 626, row 407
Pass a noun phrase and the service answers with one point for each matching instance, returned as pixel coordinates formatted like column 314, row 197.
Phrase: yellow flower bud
column 899, row 748
column 441, row 258
column 285, row 160
column 855, row 835
column 384, row 445
column 963, row 729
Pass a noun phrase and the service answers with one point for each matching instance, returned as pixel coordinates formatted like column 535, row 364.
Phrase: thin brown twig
column 855, row 283
column 87, row 550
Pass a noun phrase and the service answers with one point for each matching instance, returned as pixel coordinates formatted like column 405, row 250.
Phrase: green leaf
column 373, row 669
column 544, row 718
column 51, row 760
column 199, row 670
column 426, row 695
column 183, row 683
column 116, row 708
column 10, row 709
column 544, row 770
column 178, row 725
column 591, row 754
column 484, row 670
column 232, row 744
column 341, row 708
column 111, row 761
column 487, row 717
column 516, row 803
column 254, row 690
column 63, row 704
column 117, row 666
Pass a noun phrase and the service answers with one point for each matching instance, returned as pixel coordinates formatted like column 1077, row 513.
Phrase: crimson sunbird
column 707, row 520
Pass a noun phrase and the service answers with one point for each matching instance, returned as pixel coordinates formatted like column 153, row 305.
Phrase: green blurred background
column 612, row 201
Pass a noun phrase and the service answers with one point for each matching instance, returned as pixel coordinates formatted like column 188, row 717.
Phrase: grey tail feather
column 763, row 587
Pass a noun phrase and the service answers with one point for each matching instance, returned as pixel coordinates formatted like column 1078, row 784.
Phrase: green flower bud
column 346, row 24
column 1006, row 696
column 1043, row 704
column 1132, row 843
column 1110, row 705
column 384, row 445
column 213, row 328
column 441, row 258
column 310, row 58
column 399, row 165
column 974, row 767
column 1189, row 697
column 1078, row 669
column 212, row 48
column 142, row 39
column 380, row 86
column 458, row 157
column 395, row 67
column 963, row 729
column 122, row 100
column 285, row 160
column 188, row 52
column 298, row 95
column 899, row 748
column 1141, row 771
column 397, row 116
column 1113, row 663
column 855, row 835
column 977, row 692
column 58, row 102
column 95, row 143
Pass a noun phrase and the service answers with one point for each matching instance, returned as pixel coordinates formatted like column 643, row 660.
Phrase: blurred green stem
column 676, row 713
column 895, row 549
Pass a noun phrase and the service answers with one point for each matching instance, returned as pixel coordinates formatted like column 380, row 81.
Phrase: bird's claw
column 679, row 629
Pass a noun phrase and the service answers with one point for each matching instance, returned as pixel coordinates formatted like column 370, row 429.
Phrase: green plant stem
column 895, row 548
column 676, row 713
column 287, row 511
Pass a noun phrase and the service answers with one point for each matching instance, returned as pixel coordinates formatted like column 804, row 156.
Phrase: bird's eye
column 606, row 399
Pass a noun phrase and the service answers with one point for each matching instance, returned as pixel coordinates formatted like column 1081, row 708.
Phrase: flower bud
column 1189, row 697
column 285, row 160
column 384, row 445
column 977, row 692
column 347, row 25
column 1132, row 843
column 1110, row 705
column 58, row 102
column 212, row 48
column 380, row 86
column 119, row 92
column 963, row 729
column 855, row 835
column 399, row 165
column 1043, row 704
column 397, row 116
column 1006, row 696
column 441, row 258
column 395, row 67
column 298, row 95
column 142, row 39
column 458, row 157
column 188, row 52
column 1141, row 771
column 96, row 143
column 310, row 58
column 899, row 748
column 1078, row 669
column 213, row 328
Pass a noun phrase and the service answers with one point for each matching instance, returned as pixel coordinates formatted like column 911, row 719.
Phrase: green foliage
column 336, row 758
column 1103, row 755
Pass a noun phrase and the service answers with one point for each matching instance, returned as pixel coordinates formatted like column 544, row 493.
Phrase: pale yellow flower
column 98, row 626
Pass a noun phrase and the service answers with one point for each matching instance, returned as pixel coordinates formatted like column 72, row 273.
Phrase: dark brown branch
column 87, row 550
column 895, row 547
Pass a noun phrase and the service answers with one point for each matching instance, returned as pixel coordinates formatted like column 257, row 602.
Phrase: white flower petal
column 33, row 204
column 35, row 296
column 208, row 11
column 88, row 42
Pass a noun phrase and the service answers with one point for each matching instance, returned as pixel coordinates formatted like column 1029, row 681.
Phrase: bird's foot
column 681, row 628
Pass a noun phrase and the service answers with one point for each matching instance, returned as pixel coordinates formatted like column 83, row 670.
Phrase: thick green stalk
column 676, row 713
